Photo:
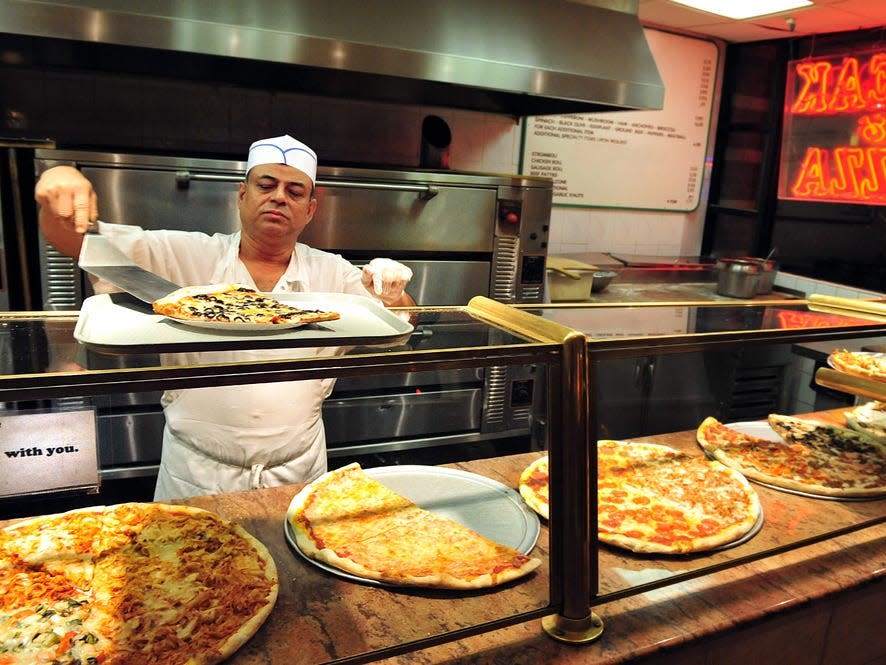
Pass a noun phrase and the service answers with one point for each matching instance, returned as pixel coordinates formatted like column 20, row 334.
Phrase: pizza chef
column 232, row 438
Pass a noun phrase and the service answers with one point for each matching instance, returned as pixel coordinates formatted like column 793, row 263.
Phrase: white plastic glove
column 387, row 279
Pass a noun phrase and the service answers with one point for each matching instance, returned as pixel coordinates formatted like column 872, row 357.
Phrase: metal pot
column 738, row 278
column 768, row 271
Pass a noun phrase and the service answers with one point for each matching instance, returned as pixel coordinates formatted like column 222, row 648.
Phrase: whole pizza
column 807, row 456
column 653, row 498
column 354, row 523
column 234, row 304
column 131, row 584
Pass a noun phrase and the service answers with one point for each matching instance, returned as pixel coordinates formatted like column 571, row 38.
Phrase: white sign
column 634, row 159
column 48, row 451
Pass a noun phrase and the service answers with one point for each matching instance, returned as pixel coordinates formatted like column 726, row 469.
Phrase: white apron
column 235, row 438
column 232, row 438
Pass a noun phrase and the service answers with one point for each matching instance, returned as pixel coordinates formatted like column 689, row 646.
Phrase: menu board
column 634, row 159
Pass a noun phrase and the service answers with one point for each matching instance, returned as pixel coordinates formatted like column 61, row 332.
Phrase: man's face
column 276, row 201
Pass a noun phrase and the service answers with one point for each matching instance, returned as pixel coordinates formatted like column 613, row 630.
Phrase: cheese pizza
column 868, row 365
column 235, row 304
column 356, row 524
column 534, row 486
column 131, row 584
column 808, row 456
column 653, row 498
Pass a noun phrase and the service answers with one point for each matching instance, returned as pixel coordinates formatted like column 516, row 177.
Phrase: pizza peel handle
column 100, row 258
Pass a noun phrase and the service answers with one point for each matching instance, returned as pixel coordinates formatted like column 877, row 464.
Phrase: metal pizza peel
column 100, row 258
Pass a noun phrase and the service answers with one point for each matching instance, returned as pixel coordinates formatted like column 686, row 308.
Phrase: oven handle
column 426, row 192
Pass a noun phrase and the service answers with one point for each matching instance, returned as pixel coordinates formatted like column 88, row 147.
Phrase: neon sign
column 834, row 144
column 794, row 319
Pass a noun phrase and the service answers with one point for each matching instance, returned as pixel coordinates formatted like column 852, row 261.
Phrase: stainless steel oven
column 463, row 234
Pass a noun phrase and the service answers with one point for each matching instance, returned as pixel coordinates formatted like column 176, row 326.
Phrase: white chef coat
column 232, row 438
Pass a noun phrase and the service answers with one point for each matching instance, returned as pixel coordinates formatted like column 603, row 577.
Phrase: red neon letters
column 853, row 88
column 848, row 87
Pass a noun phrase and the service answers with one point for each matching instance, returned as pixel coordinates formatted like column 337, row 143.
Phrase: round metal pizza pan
column 762, row 430
column 479, row 503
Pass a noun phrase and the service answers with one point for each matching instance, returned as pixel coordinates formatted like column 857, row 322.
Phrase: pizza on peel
column 234, row 304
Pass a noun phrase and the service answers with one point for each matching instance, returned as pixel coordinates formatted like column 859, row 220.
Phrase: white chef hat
column 283, row 150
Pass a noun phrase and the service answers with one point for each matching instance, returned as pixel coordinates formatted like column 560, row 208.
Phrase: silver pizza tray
column 487, row 506
column 120, row 323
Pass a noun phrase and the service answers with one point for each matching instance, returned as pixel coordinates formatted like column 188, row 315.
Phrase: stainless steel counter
column 655, row 284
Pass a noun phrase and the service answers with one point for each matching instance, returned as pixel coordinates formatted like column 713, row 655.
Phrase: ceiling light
column 745, row 8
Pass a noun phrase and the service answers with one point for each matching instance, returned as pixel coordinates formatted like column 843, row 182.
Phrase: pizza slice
column 354, row 523
column 57, row 544
column 235, row 304
column 859, row 363
column 655, row 499
column 794, row 464
column 827, row 438
column 534, row 486
column 45, row 619
column 869, row 418
column 47, row 567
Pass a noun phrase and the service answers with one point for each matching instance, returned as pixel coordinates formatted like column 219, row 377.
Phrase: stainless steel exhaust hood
column 519, row 57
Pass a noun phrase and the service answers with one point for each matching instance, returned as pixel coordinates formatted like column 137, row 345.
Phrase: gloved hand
column 67, row 197
column 387, row 279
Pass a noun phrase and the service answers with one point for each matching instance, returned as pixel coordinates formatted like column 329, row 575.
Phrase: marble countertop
column 321, row 617
column 324, row 617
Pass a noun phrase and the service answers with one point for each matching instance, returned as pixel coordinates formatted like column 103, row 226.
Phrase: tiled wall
column 647, row 232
